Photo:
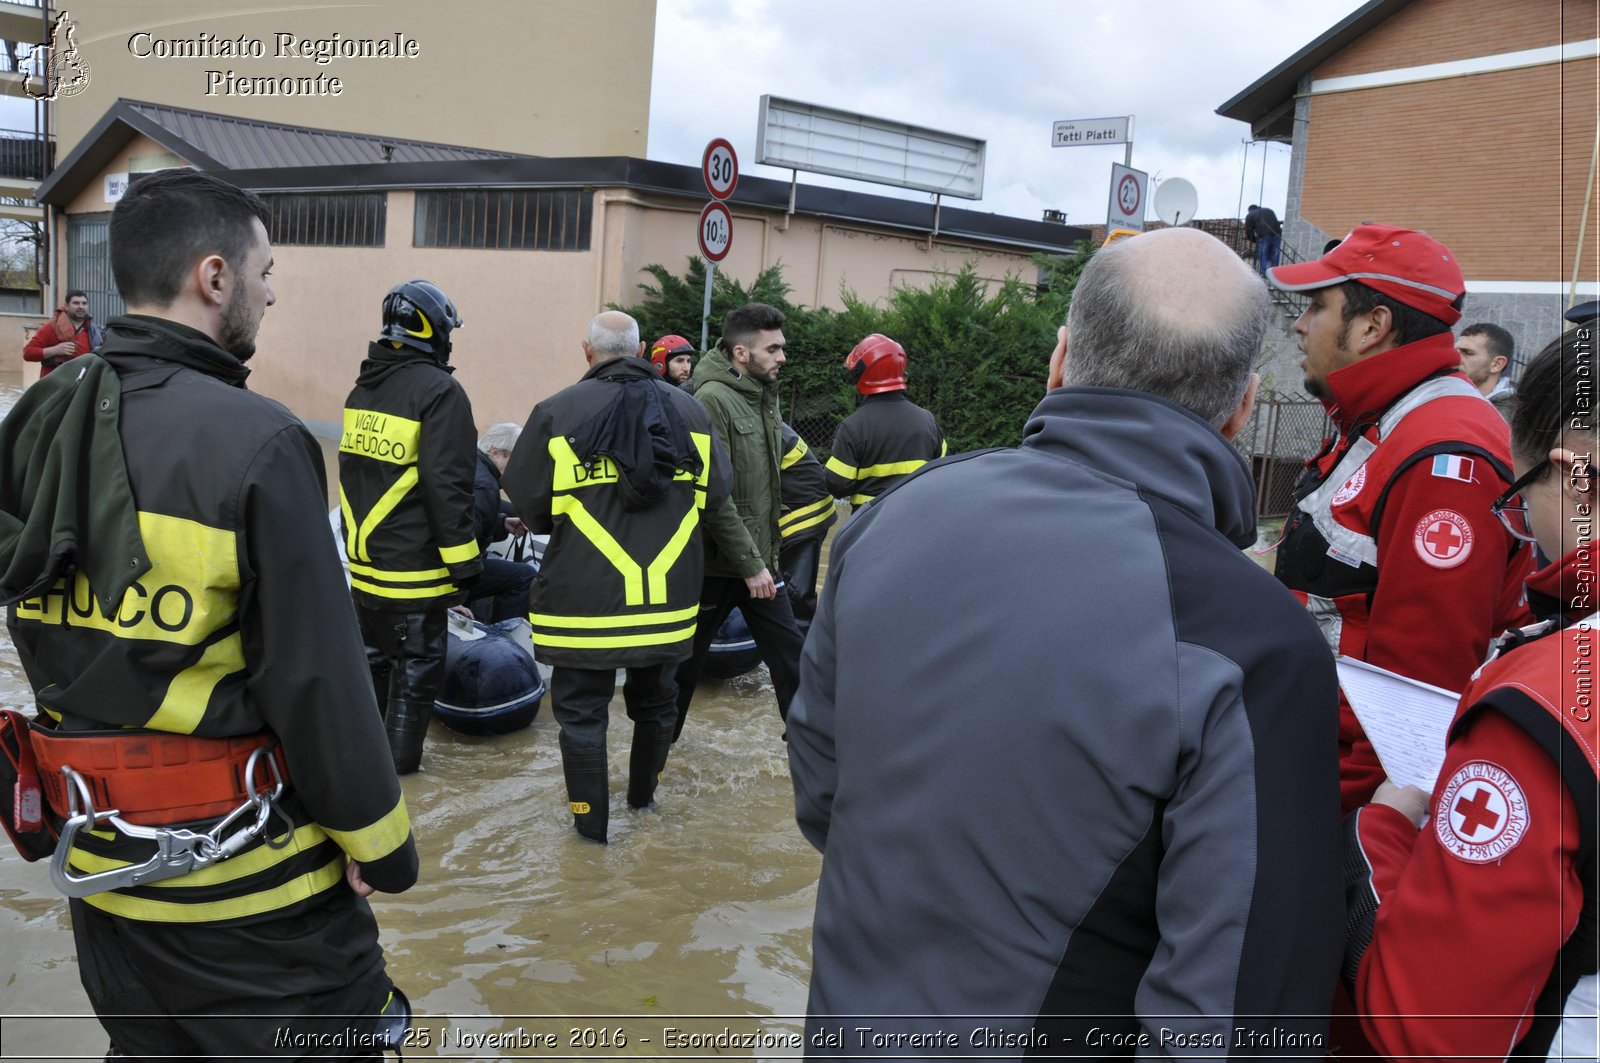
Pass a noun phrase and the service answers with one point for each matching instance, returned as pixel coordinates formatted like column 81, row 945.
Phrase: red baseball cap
column 1409, row 267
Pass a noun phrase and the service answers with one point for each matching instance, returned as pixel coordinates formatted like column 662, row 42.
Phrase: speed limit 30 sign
column 716, row 231
column 720, row 168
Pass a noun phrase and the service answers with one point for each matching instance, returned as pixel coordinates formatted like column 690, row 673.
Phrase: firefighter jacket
column 886, row 439
column 808, row 508
column 240, row 623
column 744, row 416
column 1391, row 546
column 1471, row 938
column 619, row 586
column 406, row 465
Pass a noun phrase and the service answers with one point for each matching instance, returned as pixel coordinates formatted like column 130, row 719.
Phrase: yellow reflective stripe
column 654, row 638
column 671, row 616
column 567, row 471
column 796, row 452
column 190, row 690
column 381, row 436
column 348, row 518
column 419, row 575
column 839, row 468
column 455, row 555
column 378, row 840
column 658, row 568
column 861, row 500
column 438, row 591
column 295, row 890
column 610, row 549
column 253, row 862
column 702, row 444
column 893, row 468
column 385, row 506
column 944, row 448
column 805, row 517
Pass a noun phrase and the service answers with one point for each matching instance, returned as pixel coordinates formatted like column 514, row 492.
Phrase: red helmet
column 877, row 364
column 663, row 350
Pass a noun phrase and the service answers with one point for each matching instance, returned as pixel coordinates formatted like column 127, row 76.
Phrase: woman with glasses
column 1472, row 910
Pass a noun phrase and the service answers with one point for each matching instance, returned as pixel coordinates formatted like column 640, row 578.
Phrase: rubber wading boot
column 407, row 725
column 645, row 761
column 588, row 790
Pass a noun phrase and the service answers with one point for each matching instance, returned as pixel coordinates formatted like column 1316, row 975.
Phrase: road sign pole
column 705, row 308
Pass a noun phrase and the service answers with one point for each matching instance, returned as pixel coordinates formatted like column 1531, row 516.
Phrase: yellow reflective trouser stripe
column 805, row 517
column 245, row 865
column 628, row 620
column 839, row 468
column 299, row 889
column 795, row 453
column 378, row 840
column 944, row 448
column 653, row 638
column 861, row 500
column 385, row 506
column 455, row 555
column 583, row 520
column 421, row 575
column 435, row 591
column 670, row 553
column 190, row 690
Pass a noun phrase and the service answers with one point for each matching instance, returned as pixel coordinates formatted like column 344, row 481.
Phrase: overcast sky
column 1001, row 72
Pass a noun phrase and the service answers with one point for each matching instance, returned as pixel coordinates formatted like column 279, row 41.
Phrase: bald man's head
column 612, row 334
column 1172, row 313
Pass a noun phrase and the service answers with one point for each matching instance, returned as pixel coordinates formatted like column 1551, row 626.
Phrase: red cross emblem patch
column 1351, row 487
column 1482, row 813
column 1444, row 538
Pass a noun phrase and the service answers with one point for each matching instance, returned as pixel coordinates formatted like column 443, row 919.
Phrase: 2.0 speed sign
column 716, row 231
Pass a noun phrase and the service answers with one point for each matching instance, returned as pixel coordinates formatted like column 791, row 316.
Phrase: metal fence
column 1283, row 431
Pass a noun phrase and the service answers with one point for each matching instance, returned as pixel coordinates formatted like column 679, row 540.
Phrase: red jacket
column 1467, row 919
column 57, row 330
column 1392, row 547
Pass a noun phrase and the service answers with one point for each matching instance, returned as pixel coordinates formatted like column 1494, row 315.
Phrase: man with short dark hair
column 620, row 468
column 1486, row 351
column 69, row 333
column 738, row 383
column 185, row 627
column 1118, row 824
column 1391, row 545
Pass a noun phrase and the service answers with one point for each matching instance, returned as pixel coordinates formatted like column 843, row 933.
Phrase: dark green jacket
column 64, row 493
column 744, row 413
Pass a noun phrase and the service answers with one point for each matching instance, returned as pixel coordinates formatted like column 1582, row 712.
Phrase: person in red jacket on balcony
column 69, row 333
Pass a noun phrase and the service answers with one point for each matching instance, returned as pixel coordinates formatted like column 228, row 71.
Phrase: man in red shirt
column 69, row 333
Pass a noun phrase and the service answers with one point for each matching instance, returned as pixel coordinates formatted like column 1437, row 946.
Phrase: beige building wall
column 525, row 312
column 512, row 75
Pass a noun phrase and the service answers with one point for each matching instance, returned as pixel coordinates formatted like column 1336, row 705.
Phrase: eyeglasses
column 1512, row 508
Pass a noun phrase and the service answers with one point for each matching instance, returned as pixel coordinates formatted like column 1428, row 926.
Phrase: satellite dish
column 1176, row 201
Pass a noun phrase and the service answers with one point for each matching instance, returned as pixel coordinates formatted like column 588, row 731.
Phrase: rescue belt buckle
column 178, row 850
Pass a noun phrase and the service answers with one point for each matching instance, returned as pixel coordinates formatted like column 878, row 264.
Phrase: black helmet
column 418, row 315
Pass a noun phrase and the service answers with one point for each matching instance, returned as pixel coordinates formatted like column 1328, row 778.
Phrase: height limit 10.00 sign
column 716, row 231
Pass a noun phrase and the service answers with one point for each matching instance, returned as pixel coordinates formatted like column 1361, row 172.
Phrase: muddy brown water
column 522, row 941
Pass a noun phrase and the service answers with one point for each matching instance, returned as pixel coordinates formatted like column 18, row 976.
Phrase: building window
column 509, row 219
column 328, row 219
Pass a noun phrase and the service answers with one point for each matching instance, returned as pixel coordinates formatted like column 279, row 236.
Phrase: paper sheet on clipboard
column 1405, row 720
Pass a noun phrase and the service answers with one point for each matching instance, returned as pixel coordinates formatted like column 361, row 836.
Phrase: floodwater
column 521, row 940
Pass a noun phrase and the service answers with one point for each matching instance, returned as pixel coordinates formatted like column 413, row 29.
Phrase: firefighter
column 618, row 469
column 407, row 461
column 673, row 357
column 183, row 621
column 888, row 437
